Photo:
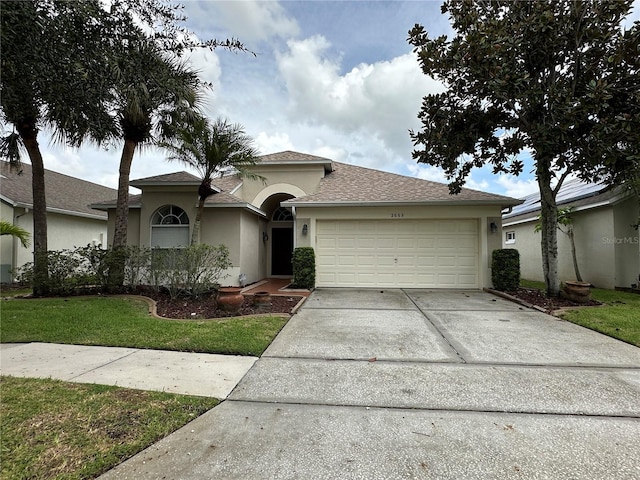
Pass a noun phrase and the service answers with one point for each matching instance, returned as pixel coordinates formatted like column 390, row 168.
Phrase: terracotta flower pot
column 230, row 299
column 579, row 292
column 262, row 301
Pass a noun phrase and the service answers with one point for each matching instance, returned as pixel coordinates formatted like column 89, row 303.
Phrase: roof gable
column 64, row 193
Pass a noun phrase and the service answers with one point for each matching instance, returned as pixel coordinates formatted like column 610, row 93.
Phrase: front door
column 281, row 251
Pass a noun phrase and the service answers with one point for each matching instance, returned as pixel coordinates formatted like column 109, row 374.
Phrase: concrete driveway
column 386, row 384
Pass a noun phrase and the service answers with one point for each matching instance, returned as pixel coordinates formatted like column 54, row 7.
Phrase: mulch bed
column 540, row 299
column 182, row 308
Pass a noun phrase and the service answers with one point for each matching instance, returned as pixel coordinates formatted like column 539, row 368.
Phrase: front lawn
column 125, row 322
column 54, row 429
column 618, row 317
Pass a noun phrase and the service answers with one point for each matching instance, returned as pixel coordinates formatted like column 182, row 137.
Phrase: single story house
column 607, row 243
column 368, row 228
column 70, row 221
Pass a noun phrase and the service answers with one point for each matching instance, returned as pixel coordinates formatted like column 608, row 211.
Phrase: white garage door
column 397, row 253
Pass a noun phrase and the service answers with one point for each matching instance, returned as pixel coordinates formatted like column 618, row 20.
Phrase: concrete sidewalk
column 417, row 384
column 199, row 374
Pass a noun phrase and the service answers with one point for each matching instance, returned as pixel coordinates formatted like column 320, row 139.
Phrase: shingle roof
column 352, row 184
column 135, row 201
column 227, row 183
column 168, row 178
column 290, row 156
column 63, row 192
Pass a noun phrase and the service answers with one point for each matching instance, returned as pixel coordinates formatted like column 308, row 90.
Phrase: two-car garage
column 416, row 253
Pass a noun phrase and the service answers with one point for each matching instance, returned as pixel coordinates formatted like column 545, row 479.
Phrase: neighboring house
column 607, row 244
column 70, row 221
column 368, row 228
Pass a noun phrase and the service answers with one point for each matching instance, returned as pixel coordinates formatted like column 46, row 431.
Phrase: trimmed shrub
column 192, row 271
column 304, row 268
column 505, row 269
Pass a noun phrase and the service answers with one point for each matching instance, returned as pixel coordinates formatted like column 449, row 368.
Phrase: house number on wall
column 397, row 215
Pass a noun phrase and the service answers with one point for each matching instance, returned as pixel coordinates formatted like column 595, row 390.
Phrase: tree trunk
column 195, row 234
column 40, row 260
column 549, row 221
column 573, row 253
column 116, row 267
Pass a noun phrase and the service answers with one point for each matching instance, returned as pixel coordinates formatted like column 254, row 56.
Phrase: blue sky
column 330, row 78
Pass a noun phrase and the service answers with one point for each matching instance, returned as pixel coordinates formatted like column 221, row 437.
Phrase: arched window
column 282, row 214
column 169, row 227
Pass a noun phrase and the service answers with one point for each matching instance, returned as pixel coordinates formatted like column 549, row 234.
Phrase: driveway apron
column 385, row 384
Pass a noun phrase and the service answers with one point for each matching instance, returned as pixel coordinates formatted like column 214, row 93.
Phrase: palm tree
column 153, row 92
column 212, row 149
column 20, row 233
column 36, row 91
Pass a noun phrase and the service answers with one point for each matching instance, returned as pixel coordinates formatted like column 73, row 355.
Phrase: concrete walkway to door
column 386, row 384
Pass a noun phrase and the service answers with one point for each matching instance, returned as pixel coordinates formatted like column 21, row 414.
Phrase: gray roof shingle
column 289, row 156
column 168, row 178
column 352, row 184
column 63, row 193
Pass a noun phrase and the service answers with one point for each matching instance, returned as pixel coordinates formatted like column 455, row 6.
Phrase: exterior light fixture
column 493, row 227
column 265, row 237
column 305, row 229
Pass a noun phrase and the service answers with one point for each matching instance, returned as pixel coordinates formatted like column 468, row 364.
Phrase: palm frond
column 11, row 150
column 20, row 233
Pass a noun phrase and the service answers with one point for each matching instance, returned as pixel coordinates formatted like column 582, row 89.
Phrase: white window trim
column 510, row 237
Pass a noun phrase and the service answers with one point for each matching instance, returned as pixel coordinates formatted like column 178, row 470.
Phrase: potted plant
column 230, row 299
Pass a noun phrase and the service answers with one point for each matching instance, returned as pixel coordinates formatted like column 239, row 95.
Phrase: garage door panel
column 346, row 243
column 386, row 260
column 425, row 261
column 346, row 260
column 467, row 280
column 388, row 253
column 406, row 261
column 466, row 261
column 326, row 261
column 447, row 261
column 366, row 243
column 385, row 243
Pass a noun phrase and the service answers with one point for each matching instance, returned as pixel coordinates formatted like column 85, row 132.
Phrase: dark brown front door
column 281, row 251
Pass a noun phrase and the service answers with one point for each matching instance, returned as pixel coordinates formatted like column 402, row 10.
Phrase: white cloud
column 381, row 99
column 276, row 142
column 207, row 64
column 472, row 183
column 254, row 21
column 427, row 172
column 515, row 187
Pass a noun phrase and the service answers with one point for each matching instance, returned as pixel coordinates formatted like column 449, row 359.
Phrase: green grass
column 125, row 322
column 619, row 317
column 54, row 429
column 532, row 284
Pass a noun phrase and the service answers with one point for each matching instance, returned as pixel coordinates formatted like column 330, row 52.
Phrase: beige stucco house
column 607, row 244
column 368, row 228
column 70, row 221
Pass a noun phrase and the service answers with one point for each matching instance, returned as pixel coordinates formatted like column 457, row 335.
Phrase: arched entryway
column 280, row 235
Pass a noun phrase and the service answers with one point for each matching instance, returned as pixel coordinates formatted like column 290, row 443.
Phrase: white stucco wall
column 63, row 232
column 252, row 249
column 626, row 244
column 596, row 256
column 305, row 178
